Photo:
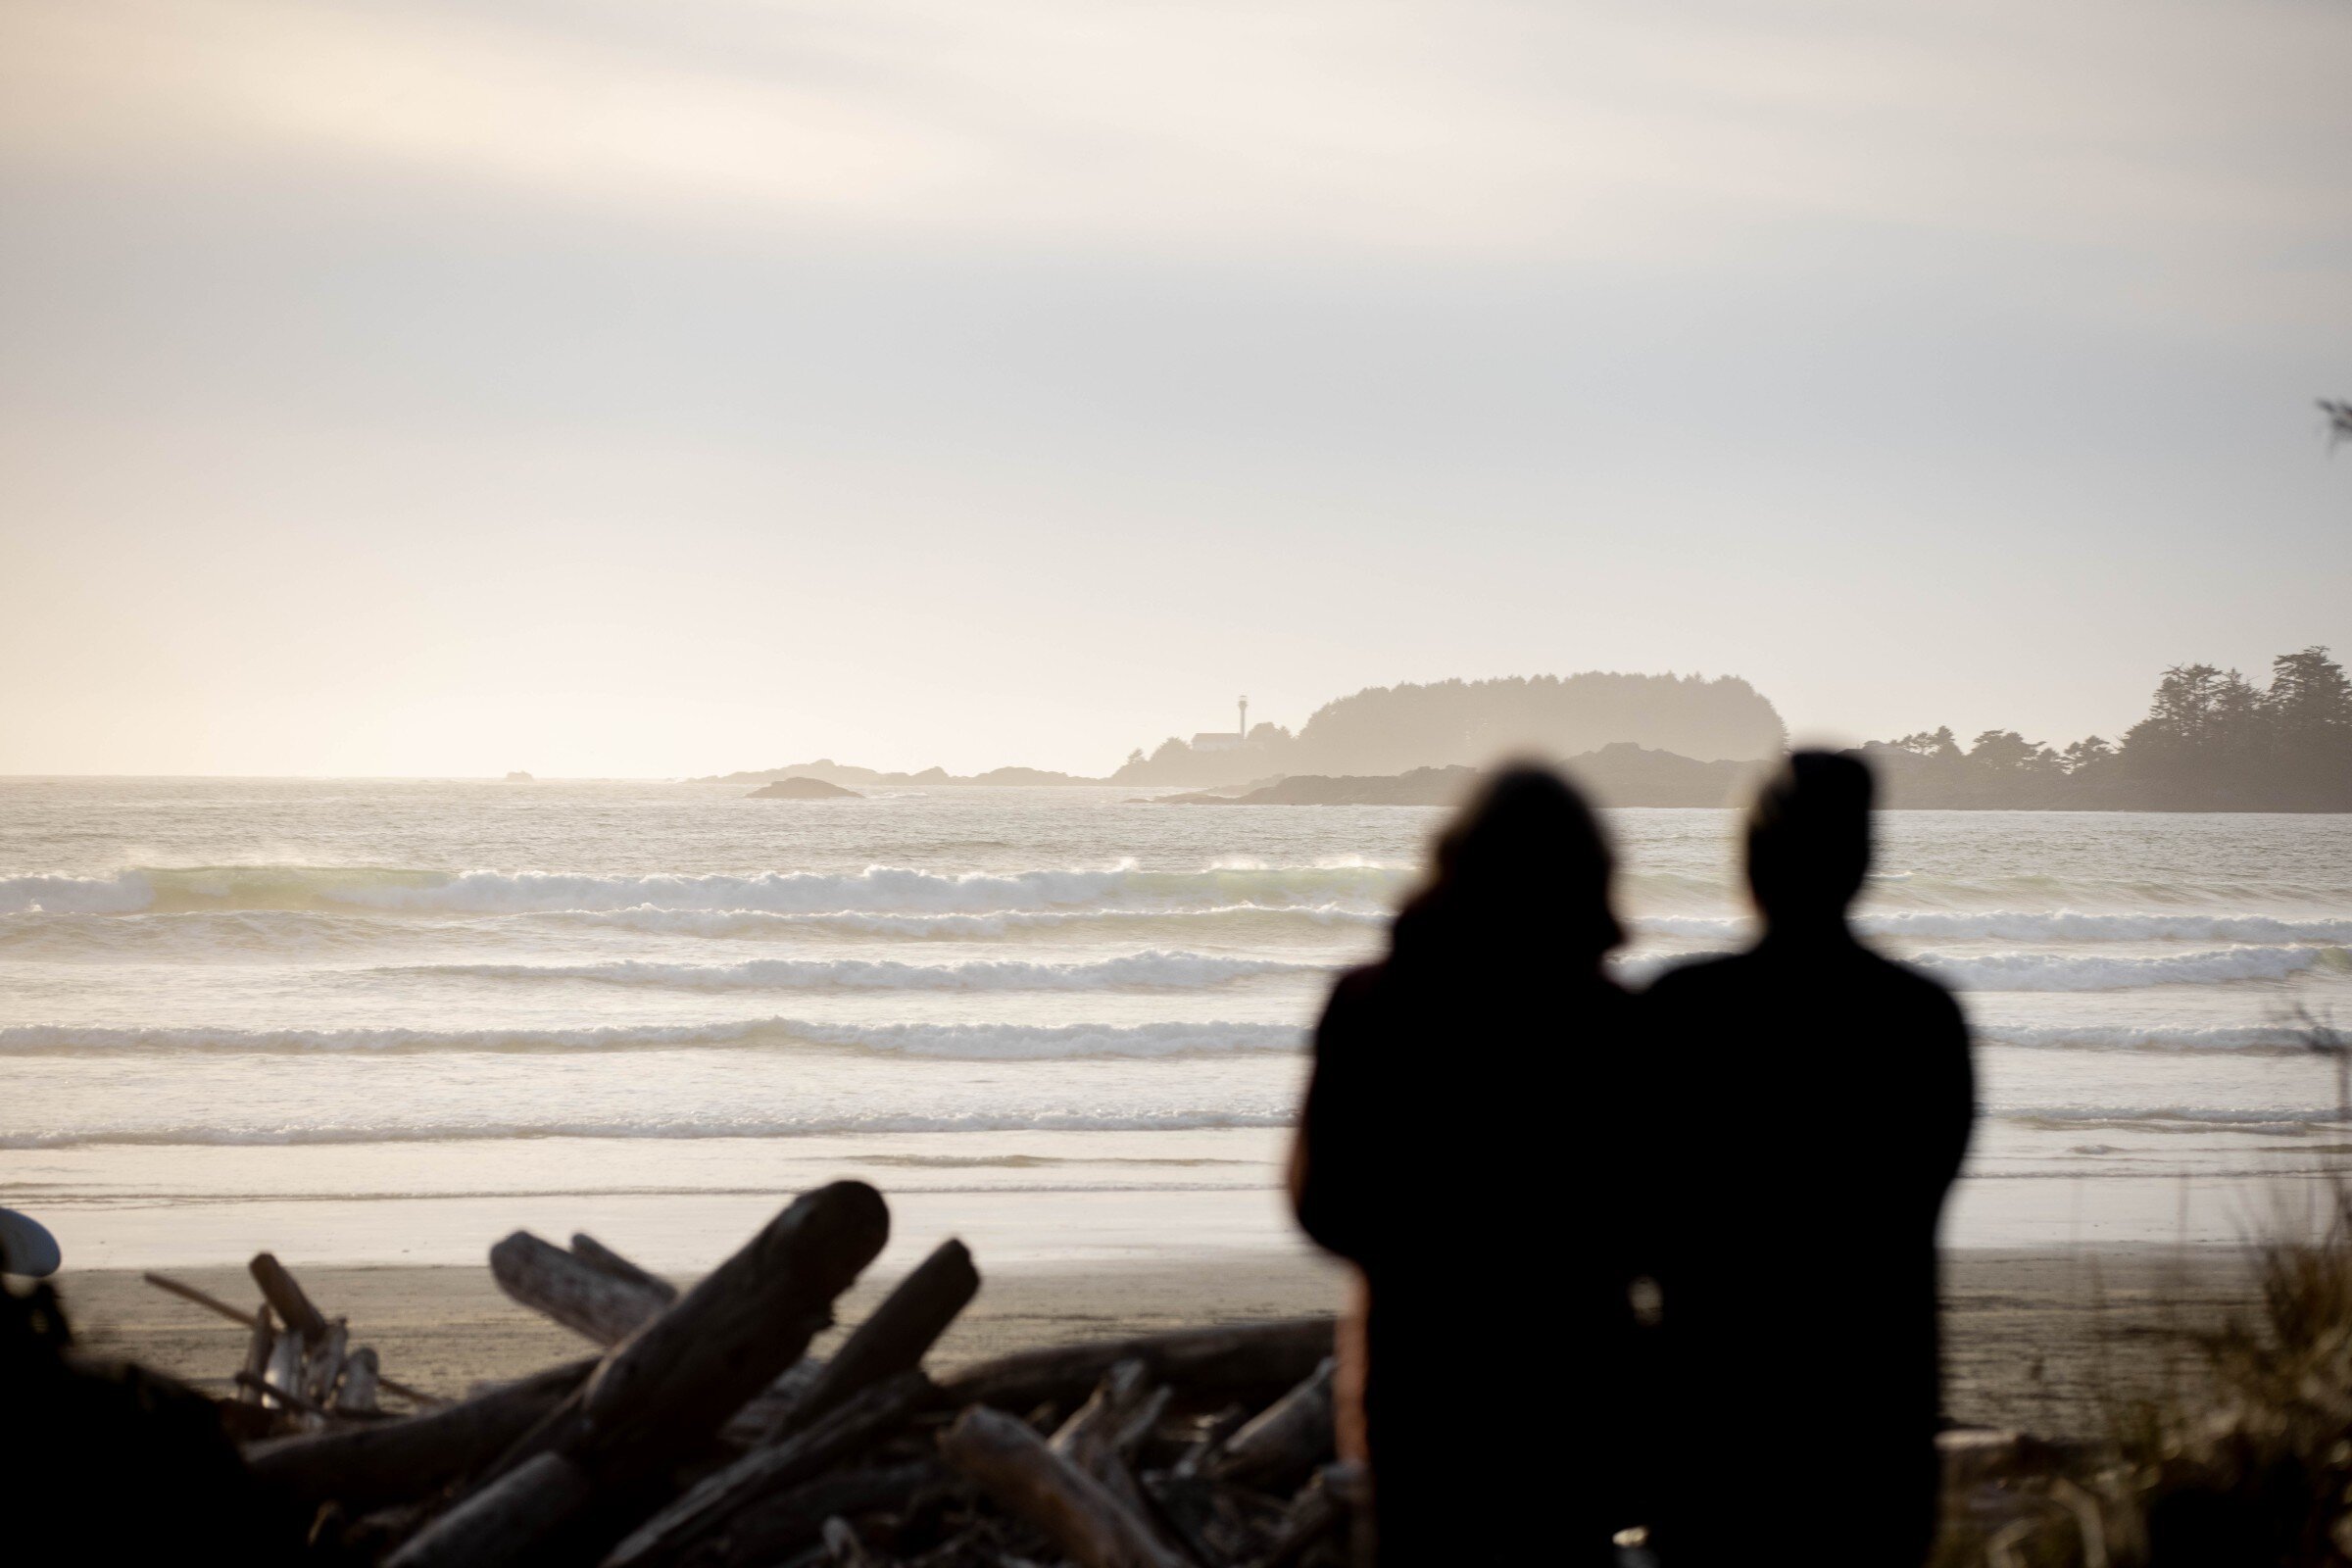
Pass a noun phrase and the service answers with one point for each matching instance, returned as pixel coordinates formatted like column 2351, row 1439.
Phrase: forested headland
column 1394, row 729
column 2212, row 741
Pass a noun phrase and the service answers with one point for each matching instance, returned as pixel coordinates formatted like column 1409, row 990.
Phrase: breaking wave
column 679, row 1127
column 2043, row 972
column 973, row 1042
column 1141, row 971
column 988, row 926
column 2274, row 1120
column 2027, row 925
column 2278, row 1040
column 891, row 889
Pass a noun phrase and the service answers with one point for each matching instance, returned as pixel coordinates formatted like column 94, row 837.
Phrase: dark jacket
column 1810, row 1104
column 1457, row 1146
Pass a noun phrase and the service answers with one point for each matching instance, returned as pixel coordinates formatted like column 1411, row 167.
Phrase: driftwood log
column 1329, row 1505
column 1081, row 1516
column 790, row 1522
column 323, row 1363
column 284, row 1371
column 715, row 1507
column 258, row 1351
column 596, row 1254
column 391, row 1461
column 668, row 1388
column 704, row 1434
column 1283, row 1445
column 286, row 1298
column 357, row 1393
column 253, row 1320
column 1098, row 1437
column 510, row 1520
column 278, row 1394
column 594, row 1302
column 894, row 1337
column 1247, row 1361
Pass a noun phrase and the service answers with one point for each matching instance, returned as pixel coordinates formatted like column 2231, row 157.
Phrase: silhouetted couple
column 1665, row 1261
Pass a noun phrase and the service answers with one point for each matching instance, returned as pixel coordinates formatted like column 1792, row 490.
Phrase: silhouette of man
column 1814, row 1101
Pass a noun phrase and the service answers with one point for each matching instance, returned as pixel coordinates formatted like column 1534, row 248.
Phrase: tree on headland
column 2339, row 420
column 2005, row 751
column 1938, row 742
column 2088, row 752
column 2211, row 740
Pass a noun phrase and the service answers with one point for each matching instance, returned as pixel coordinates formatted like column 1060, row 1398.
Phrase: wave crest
column 681, row 1127
column 876, row 888
column 980, row 1042
column 1152, row 970
column 2046, row 971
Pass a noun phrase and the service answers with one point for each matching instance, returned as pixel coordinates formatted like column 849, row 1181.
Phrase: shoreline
column 2050, row 1340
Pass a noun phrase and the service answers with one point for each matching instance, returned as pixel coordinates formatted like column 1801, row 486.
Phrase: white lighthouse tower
column 1211, row 740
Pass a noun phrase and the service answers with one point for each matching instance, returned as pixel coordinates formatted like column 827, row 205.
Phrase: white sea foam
column 1922, row 891
column 1141, row 971
column 2255, row 1038
column 2030, row 925
column 677, row 1127
column 991, row 925
column 2046, row 971
column 987, row 1042
column 877, row 888
column 2066, row 971
column 2179, row 1119
column 79, row 895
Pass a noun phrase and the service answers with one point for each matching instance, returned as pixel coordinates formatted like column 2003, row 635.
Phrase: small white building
column 1217, row 740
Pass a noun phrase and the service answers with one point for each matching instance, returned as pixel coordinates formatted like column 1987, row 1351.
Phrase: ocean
column 390, row 1020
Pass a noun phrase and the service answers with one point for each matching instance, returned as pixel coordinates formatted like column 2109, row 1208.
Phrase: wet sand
column 2047, row 1340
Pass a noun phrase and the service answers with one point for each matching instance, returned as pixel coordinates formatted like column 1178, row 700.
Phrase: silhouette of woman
column 1454, row 1146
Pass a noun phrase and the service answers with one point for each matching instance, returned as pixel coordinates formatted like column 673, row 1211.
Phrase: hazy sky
column 616, row 386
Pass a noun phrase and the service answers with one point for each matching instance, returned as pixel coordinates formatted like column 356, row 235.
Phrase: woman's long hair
column 1522, row 875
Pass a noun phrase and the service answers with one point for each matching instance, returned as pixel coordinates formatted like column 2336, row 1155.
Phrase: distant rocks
column 518, row 777
column 1423, row 786
column 1623, row 775
column 803, row 789
column 832, row 772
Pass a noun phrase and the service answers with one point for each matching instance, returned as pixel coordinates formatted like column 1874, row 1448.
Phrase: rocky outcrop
column 844, row 773
column 1623, row 774
column 803, row 789
column 1423, row 786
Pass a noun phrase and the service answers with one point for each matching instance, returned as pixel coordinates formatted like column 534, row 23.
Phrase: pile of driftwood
column 705, row 1434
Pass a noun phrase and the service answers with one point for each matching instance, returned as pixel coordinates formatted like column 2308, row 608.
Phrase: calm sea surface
column 394, row 1018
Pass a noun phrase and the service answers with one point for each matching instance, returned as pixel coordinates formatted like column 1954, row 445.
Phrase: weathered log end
column 597, row 1256
column 592, row 1301
column 896, row 1336
column 1014, row 1466
column 279, row 1290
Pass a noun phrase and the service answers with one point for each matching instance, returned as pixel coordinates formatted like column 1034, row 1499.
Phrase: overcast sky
column 616, row 386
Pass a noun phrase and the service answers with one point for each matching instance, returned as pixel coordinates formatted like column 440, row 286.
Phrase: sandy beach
column 2047, row 1340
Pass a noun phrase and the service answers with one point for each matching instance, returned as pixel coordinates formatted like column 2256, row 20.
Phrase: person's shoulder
column 1699, row 977
column 1914, row 984
column 1351, row 999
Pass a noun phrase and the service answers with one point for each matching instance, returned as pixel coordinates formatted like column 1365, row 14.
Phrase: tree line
column 1394, row 729
column 2212, row 741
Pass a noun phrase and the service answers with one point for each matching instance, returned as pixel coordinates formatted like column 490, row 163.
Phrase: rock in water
column 803, row 789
